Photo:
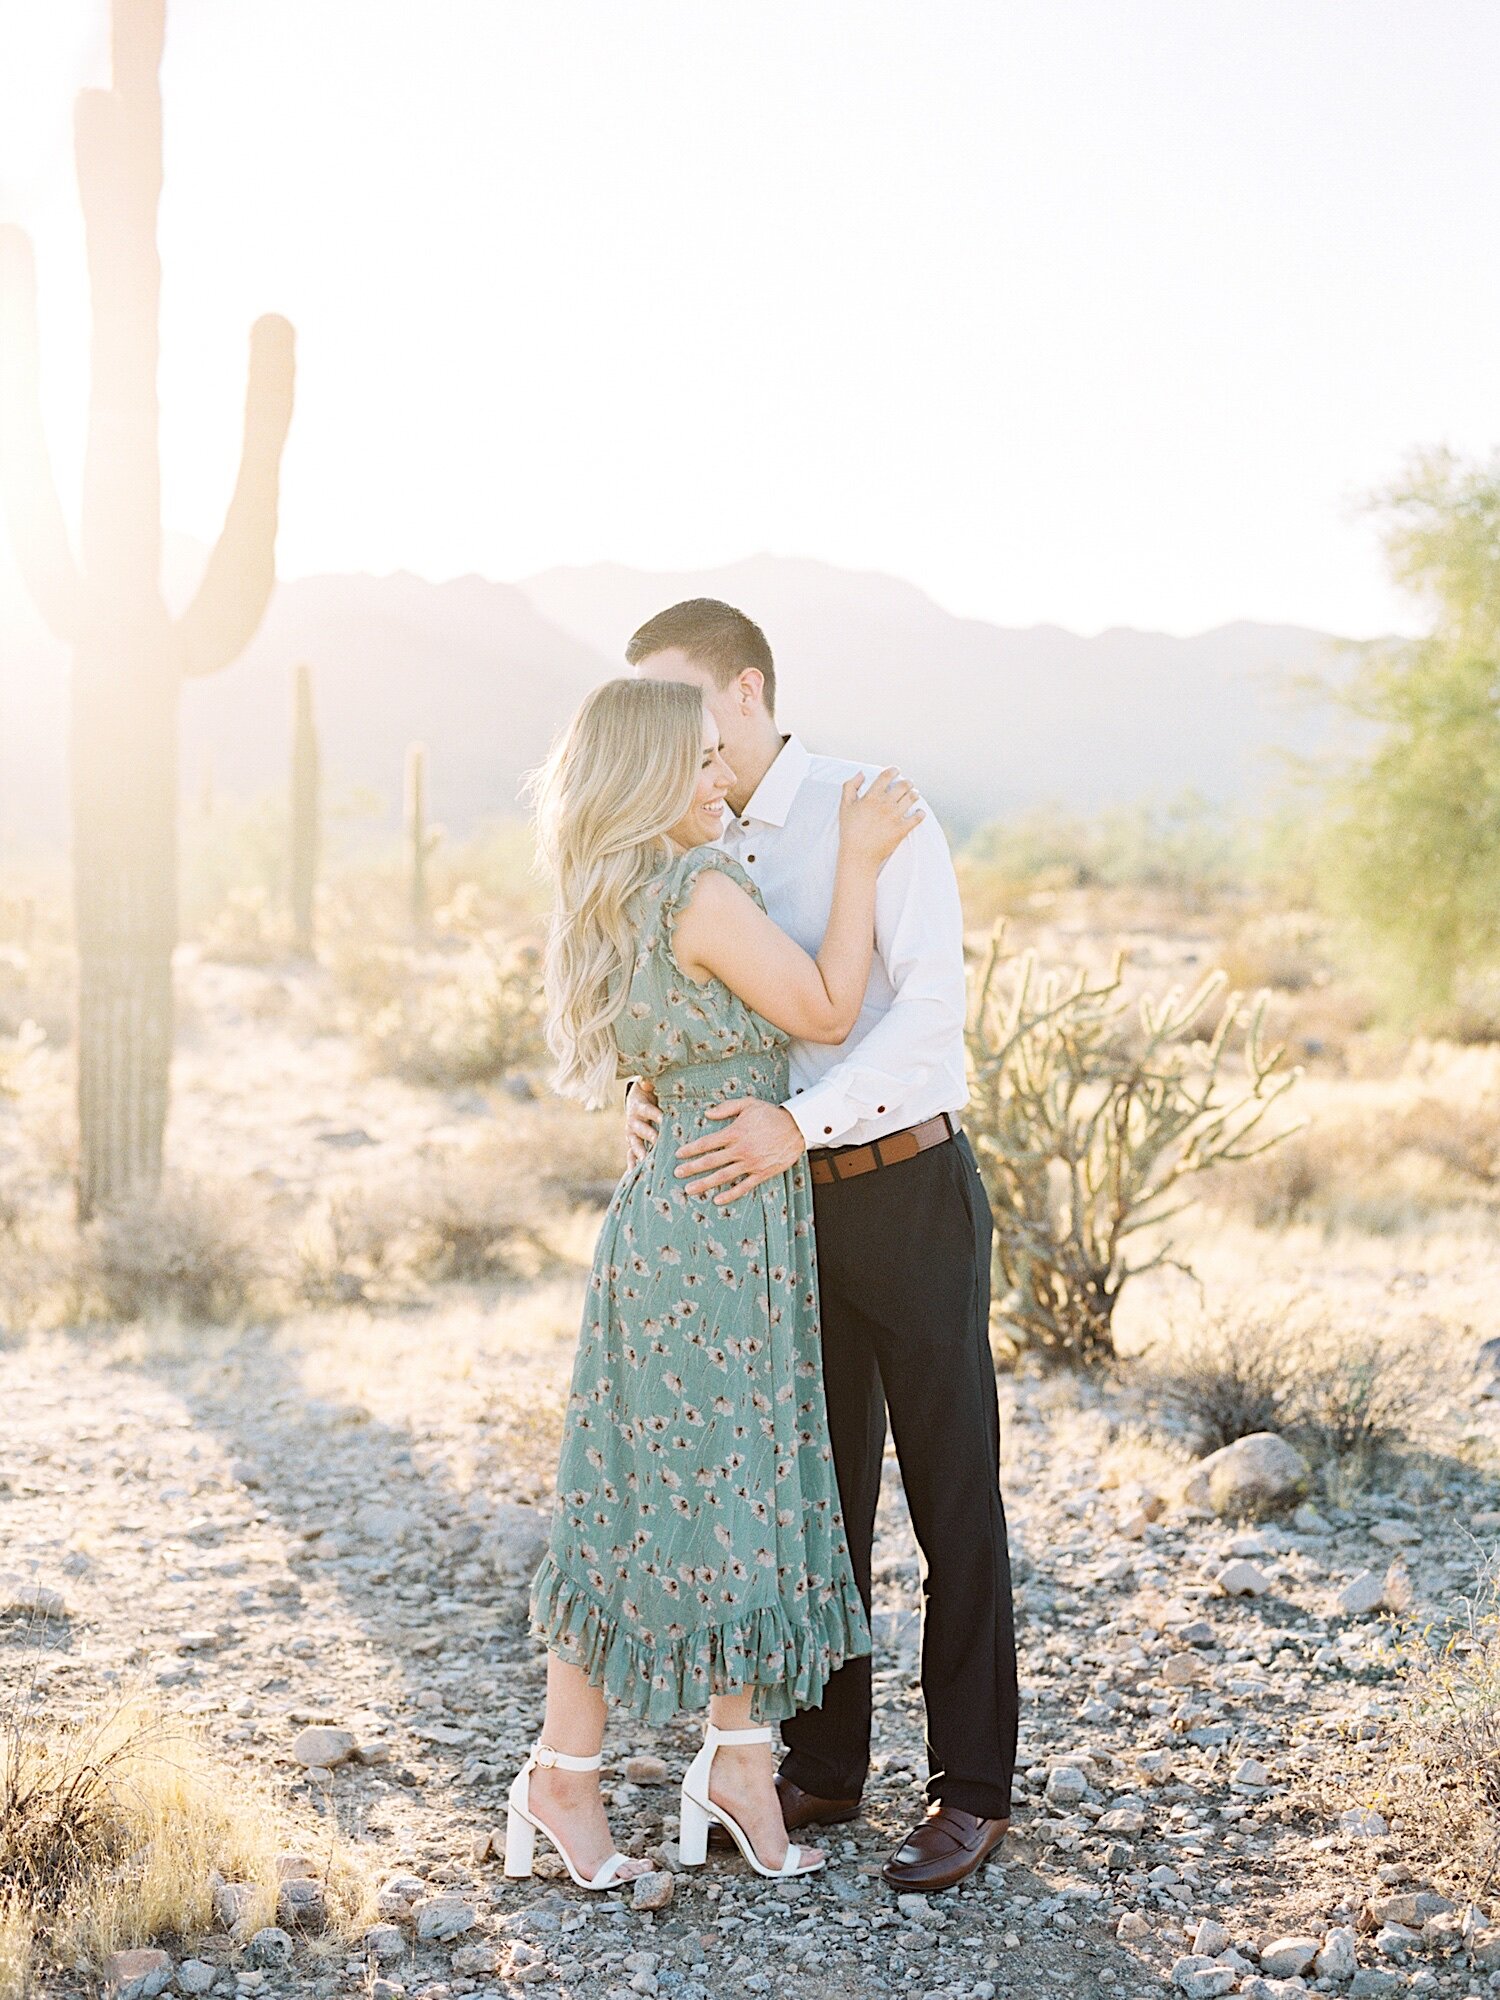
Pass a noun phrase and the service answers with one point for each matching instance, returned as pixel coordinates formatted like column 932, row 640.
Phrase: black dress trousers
column 904, row 1281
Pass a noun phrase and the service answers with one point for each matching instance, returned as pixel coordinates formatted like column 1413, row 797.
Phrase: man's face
column 725, row 704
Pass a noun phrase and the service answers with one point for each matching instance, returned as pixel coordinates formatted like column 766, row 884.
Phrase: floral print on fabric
column 697, row 1545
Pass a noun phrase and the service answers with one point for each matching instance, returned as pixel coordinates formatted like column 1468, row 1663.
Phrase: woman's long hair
column 623, row 771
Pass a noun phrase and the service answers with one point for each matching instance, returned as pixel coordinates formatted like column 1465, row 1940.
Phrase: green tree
column 1413, row 851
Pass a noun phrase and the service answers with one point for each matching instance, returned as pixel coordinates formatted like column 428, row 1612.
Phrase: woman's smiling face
column 703, row 822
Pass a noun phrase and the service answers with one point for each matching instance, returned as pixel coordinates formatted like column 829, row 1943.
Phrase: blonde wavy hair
column 621, row 774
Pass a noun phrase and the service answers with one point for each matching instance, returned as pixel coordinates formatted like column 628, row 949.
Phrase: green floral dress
column 697, row 1545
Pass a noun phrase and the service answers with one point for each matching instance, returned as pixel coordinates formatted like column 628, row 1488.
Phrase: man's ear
column 752, row 687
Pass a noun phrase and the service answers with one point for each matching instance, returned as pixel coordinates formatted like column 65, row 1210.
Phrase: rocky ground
column 329, row 1524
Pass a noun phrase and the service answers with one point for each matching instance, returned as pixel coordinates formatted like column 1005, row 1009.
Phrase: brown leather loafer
column 946, row 1848
column 798, row 1809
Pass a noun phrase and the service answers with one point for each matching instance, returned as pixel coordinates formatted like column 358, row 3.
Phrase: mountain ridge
column 991, row 720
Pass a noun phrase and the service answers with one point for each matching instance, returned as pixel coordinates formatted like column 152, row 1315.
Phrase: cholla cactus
column 1085, row 1132
column 106, row 602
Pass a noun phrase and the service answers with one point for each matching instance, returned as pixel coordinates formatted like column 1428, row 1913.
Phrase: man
column 903, row 1234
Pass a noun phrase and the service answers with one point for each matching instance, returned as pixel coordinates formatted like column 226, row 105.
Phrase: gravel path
column 332, row 1522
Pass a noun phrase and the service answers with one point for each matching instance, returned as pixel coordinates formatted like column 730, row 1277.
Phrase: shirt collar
column 773, row 796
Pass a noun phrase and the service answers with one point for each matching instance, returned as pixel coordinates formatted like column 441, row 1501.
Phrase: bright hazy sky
column 1092, row 311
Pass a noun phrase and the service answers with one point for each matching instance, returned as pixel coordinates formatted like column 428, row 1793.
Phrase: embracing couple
column 768, row 944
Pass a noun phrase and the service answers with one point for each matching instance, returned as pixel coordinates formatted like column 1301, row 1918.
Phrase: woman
column 697, row 1555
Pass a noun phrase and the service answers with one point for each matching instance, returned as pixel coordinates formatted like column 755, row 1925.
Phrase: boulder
column 1289, row 1957
column 270, row 1948
column 136, row 1975
column 1408, row 1907
column 653, row 1891
column 383, row 1941
column 1337, row 1960
column 1203, row 1978
column 1254, row 1475
column 301, row 1904
column 1242, row 1579
column 320, row 1748
column 232, row 1902
column 1397, row 1941
column 472, row 1959
column 442, row 1917
column 517, row 1537
column 1066, row 1787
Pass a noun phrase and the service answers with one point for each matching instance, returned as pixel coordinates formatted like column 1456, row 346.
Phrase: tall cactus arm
column 237, row 583
column 38, row 534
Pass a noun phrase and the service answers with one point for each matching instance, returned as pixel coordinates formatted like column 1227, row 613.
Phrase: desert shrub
column 1087, row 1118
column 248, row 928
column 1188, row 846
column 232, row 848
column 1230, row 1377
column 1285, row 949
column 468, row 1217
column 18, row 1058
column 1378, row 1172
column 1360, row 1393
column 447, row 1021
column 471, row 1221
column 578, row 1155
column 198, row 1250
column 1345, row 1394
column 351, row 1246
column 36, row 987
column 113, row 1823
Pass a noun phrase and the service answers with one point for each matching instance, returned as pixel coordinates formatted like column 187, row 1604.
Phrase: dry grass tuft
column 198, row 1250
column 1347, row 1395
column 1437, row 1782
column 115, row 1825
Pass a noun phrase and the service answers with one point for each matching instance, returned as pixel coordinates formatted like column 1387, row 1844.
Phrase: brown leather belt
column 842, row 1163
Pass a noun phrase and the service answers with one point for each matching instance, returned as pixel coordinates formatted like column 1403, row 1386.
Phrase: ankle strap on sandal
column 547, row 1757
column 717, row 1736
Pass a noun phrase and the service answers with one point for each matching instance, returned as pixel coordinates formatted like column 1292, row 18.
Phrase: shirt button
column 878, row 1109
column 749, row 857
column 827, row 1129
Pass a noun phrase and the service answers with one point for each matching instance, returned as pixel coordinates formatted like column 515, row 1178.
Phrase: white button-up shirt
column 904, row 1061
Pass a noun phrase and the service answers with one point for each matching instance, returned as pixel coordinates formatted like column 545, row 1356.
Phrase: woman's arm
column 722, row 932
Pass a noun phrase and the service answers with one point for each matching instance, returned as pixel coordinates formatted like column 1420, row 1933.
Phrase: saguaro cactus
column 305, row 828
column 421, row 838
column 106, row 603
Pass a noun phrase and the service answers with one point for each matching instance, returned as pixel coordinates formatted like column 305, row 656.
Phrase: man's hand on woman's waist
column 756, row 1142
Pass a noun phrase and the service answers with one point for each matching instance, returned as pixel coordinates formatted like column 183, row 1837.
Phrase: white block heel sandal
column 698, row 1811
column 522, row 1825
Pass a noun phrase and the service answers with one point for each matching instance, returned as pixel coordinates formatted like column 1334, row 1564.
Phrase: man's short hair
column 717, row 636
